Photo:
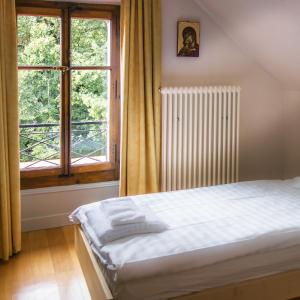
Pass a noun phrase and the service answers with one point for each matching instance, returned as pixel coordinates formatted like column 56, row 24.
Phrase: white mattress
column 207, row 227
column 219, row 274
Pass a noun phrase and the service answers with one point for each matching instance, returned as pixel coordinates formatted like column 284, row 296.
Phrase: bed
column 234, row 241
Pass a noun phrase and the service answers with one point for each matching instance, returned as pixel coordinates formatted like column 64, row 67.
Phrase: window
column 68, row 61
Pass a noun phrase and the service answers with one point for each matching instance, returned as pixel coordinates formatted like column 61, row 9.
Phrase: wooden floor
column 47, row 268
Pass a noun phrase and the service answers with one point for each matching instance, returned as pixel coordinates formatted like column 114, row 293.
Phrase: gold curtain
column 141, row 101
column 10, row 228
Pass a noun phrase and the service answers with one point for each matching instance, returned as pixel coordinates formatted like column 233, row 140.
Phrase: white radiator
column 200, row 136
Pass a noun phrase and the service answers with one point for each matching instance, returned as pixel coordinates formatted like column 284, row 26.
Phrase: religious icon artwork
column 188, row 38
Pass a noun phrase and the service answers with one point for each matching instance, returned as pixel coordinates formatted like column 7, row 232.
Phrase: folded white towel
column 127, row 217
column 106, row 233
column 122, row 211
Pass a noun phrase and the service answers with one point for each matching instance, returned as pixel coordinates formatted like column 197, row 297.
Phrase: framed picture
column 188, row 38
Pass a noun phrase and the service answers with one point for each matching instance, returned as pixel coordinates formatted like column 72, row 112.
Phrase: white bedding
column 206, row 226
column 196, row 280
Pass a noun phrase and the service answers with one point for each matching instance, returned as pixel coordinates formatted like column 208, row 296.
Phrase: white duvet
column 206, row 226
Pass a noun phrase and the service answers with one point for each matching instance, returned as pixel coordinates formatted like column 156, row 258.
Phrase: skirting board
column 44, row 222
column 50, row 207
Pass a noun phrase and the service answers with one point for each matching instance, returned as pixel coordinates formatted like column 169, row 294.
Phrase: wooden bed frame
column 283, row 286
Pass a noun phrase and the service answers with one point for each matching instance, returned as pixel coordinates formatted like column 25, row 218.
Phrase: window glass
column 39, row 98
column 89, row 110
column 39, row 41
column 90, row 45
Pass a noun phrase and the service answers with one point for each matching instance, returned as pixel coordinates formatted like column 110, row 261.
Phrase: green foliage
column 38, row 41
column 89, row 42
column 39, row 44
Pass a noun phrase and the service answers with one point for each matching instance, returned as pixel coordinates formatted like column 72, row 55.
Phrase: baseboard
column 44, row 222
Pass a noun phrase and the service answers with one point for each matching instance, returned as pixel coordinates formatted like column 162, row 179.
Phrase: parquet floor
column 47, row 268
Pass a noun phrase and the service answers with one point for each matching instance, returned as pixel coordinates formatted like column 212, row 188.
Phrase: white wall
column 222, row 62
column 266, row 29
column 50, row 207
column 292, row 134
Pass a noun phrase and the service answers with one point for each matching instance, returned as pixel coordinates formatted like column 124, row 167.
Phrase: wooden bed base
column 283, row 286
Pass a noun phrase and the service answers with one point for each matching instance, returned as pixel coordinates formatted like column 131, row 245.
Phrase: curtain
column 141, row 101
column 10, row 233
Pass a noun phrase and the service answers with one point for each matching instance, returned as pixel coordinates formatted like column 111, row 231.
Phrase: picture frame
column 188, row 38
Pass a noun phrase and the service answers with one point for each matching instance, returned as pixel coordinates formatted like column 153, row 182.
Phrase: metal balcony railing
column 40, row 143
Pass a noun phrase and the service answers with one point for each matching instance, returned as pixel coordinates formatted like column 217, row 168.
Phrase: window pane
column 39, row 97
column 90, row 45
column 89, row 105
column 39, row 40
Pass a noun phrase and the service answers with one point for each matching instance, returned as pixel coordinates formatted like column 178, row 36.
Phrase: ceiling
column 266, row 30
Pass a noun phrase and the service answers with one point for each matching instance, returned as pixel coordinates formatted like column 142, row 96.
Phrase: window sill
column 67, row 188
column 36, row 180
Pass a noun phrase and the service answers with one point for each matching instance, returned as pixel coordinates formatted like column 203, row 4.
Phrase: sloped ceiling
column 267, row 30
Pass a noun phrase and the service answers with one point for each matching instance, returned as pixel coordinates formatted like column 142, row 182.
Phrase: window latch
column 65, row 69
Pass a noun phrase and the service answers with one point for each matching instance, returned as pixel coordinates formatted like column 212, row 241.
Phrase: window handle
column 65, row 69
